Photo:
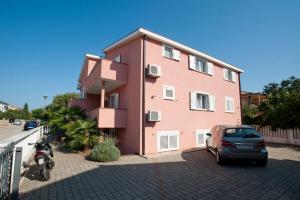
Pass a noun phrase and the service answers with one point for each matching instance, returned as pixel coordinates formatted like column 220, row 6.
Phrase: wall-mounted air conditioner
column 154, row 115
column 153, row 70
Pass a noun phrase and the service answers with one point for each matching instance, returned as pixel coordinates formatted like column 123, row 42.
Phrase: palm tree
column 82, row 133
column 64, row 116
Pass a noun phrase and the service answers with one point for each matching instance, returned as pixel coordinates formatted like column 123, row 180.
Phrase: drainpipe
column 240, row 98
column 143, row 94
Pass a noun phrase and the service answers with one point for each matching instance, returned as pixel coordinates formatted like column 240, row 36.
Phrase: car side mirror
column 208, row 134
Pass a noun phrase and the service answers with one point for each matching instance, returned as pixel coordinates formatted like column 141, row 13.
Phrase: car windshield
column 241, row 133
column 31, row 123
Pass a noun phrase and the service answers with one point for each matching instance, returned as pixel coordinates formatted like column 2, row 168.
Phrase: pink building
column 156, row 95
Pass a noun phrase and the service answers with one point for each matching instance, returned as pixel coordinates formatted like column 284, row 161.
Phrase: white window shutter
column 193, row 99
column 159, row 116
column 212, row 103
column 163, row 50
column 192, row 62
column 233, row 76
column 210, row 68
column 176, row 54
column 225, row 71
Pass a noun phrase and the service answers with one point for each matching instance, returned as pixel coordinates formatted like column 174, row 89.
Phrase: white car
column 17, row 122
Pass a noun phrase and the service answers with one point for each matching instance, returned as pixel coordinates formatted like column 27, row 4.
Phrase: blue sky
column 42, row 43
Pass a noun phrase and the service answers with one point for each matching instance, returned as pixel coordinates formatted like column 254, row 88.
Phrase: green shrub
column 93, row 140
column 105, row 151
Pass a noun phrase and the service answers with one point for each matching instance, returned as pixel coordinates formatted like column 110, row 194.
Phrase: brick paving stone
column 183, row 176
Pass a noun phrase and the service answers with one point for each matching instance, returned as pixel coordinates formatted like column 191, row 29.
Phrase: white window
column 114, row 100
column 169, row 92
column 117, row 58
column 200, row 65
column 202, row 101
column 170, row 52
column 229, row 75
column 201, row 137
column 229, row 104
column 167, row 140
column 82, row 93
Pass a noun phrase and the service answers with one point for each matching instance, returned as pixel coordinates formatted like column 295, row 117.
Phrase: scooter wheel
column 45, row 174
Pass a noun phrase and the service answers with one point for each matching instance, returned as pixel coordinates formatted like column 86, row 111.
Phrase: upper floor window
column 202, row 101
column 229, row 75
column 169, row 92
column 117, row 58
column 229, row 104
column 200, row 65
column 170, row 52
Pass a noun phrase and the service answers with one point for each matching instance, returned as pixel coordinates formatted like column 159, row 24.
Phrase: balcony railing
column 113, row 73
column 109, row 117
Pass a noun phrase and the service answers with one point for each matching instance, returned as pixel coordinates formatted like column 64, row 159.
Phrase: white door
column 167, row 140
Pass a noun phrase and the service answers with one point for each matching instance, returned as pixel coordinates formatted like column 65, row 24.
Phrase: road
column 9, row 131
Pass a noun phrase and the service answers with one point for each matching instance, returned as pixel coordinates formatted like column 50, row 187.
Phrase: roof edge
column 142, row 31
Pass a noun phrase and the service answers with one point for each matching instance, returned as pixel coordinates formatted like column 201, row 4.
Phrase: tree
column 38, row 113
column 61, row 101
column 281, row 109
column 65, row 116
column 82, row 133
column 25, row 111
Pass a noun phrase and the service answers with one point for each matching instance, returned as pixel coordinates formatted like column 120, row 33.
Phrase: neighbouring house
column 156, row 95
column 252, row 99
column 3, row 106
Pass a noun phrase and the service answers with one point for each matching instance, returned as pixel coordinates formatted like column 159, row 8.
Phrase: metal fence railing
column 6, row 160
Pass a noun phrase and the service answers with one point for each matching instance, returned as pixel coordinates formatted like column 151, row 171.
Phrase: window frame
column 231, row 72
column 173, row 57
column 202, row 93
column 167, row 133
column 227, row 98
column 201, row 131
column 168, row 87
column 205, row 67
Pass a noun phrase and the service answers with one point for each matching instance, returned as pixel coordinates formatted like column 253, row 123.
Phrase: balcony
column 109, row 117
column 112, row 73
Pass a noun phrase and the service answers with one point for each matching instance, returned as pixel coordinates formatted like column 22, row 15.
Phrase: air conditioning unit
column 154, row 116
column 153, row 70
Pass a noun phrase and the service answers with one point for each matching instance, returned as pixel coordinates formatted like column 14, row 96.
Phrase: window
column 169, row 92
column 200, row 65
column 229, row 75
column 229, row 104
column 202, row 101
column 170, row 52
column 114, row 100
column 82, row 93
column 117, row 59
column 201, row 137
column 167, row 140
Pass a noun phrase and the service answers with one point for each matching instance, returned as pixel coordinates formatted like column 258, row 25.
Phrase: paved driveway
column 179, row 176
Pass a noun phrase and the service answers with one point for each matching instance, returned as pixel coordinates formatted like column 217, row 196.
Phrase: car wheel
column 262, row 163
column 219, row 160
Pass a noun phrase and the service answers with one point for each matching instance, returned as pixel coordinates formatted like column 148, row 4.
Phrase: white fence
column 281, row 136
column 25, row 140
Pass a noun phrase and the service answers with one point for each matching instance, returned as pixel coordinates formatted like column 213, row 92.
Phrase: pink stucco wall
column 176, row 115
column 130, row 95
column 91, row 102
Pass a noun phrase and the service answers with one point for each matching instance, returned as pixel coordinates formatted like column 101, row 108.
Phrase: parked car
column 237, row 142
column 17, row 122
column 30, row 125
